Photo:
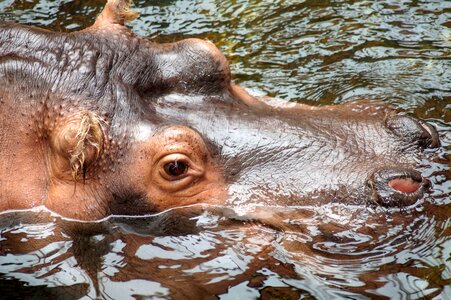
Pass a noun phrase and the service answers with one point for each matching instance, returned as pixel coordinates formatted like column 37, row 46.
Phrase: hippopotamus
column 101, row 122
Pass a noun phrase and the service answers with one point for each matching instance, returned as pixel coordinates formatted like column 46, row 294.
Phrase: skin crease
column 91, row 120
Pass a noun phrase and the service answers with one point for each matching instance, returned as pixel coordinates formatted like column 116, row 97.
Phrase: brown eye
column 175, row 168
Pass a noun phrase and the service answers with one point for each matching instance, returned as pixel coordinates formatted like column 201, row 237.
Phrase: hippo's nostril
column 432, row 140
column 404, row 185
column 398, row 186
column 414, row 131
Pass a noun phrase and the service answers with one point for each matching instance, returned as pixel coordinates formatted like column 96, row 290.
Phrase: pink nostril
column 404, row 185
column 397, row 186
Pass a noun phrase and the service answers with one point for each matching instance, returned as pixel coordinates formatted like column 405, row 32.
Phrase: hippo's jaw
column 101, row 122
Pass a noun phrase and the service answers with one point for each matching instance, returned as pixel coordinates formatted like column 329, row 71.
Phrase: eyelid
column 174, row 157
column 173, row 149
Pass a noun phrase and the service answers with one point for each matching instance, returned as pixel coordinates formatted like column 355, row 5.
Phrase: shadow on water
column 316, row 52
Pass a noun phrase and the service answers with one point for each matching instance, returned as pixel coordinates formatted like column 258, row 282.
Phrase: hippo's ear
column 116, row 12
column 77, row 144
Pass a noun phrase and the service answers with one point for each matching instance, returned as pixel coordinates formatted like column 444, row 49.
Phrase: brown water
column 317, row 52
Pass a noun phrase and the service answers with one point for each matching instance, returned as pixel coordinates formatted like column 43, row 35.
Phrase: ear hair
column 89, row 136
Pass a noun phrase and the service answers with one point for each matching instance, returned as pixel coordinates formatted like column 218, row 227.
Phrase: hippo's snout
column 414, row 131
column 397, row 187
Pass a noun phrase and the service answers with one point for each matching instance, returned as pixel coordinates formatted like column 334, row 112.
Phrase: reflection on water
column 323, row 252
column 319, row 52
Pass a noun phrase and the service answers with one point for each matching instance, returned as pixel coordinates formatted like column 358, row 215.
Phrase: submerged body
column 101, row 122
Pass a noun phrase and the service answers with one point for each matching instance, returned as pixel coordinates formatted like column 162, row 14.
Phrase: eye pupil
column 175, row 168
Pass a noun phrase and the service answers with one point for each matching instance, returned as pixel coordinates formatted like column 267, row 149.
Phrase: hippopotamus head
column 101, row 121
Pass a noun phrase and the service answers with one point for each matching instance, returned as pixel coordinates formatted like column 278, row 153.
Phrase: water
column 315, row 52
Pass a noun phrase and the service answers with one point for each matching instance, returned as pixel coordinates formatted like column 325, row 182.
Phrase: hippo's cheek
column 76, row 189
column 176, row 168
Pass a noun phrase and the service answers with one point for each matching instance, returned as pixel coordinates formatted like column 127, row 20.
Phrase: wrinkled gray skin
column 266, row 153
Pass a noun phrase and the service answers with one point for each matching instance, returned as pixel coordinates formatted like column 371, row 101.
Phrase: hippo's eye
column 178, row 161
column 176, row 168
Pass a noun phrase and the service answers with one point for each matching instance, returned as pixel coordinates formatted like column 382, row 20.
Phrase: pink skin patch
column 404, row 185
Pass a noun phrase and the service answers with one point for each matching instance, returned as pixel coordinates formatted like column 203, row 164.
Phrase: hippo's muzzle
column 400, row 186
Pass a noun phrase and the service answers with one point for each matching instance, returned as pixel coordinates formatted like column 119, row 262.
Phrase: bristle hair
column 89, row 134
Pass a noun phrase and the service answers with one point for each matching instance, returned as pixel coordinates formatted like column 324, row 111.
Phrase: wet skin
column 100, row 122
